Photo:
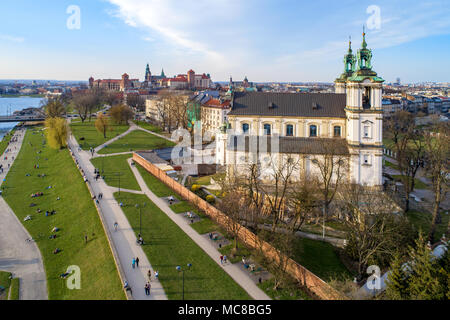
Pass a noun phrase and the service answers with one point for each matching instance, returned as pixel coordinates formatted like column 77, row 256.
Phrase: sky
column 265, row 40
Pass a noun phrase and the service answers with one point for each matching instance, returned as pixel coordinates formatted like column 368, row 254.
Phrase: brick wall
column 305, row 277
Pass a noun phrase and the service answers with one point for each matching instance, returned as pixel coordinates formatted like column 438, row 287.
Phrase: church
column 268, row 127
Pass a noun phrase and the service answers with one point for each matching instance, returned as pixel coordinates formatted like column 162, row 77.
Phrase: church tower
column 365, row 120
column 349, row 69
column 148, row 75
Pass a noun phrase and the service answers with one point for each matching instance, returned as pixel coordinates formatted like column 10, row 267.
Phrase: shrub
column 210, row 198
column 195, row 187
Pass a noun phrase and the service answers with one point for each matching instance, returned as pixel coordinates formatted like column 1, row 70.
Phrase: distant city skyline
column 267, row 41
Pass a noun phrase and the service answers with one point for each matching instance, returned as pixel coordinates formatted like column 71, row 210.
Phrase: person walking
column 146, row 289
column 137, row 262
column 133, row 263
column 149, row 274
column 149, row 286
column 221, row 259
column 115, row 226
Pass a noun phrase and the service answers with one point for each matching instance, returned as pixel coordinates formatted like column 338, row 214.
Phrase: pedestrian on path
column 149, row 274
column 149, row 286
column 221, row 259
column 115, row 225
column 133, row 263
column 146, row 289
column 137, row 262
column 224, row 259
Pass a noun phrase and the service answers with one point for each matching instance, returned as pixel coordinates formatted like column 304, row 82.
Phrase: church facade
column 268, row 127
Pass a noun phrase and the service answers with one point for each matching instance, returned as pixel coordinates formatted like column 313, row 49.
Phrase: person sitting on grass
column 57, row 250
column 64, row 275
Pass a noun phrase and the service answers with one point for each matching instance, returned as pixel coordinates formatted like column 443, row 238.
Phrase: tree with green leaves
column 397, row 283
column 54, row 108
column 102, row 124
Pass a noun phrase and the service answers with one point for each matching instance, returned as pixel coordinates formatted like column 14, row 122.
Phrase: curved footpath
column 23, row 259
column 124, row 238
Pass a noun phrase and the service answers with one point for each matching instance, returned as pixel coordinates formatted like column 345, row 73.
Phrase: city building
column 268, row 127
column 115, row 84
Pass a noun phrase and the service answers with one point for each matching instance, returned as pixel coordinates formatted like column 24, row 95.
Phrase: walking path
column 124, row 238
column 23, row 259
column 132, row 127
column 237, row 274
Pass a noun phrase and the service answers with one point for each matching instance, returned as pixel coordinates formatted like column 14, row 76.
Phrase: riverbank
column 74, row 220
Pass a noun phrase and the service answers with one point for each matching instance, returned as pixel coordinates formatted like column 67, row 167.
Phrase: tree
column 111, row 98
column 57, row 132
column 102, row 124
column 437, row 146
column 85, row 103
column 121, row 113
column 374, row 233
column 136, row 101
column 54, row 108
column 409, row 149
column 332, row 165
column 397, row 283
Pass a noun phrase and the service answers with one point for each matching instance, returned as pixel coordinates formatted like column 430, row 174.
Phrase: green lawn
column 137, row 140
column 148, row 126
column 114, row 167
column 417, row 183
column 5, row 140
column 168, row 246
column 93, row 138
column 156, row 186
column 75, row 216
column 15, row 286
column 391, row 165
column 422, row 222
column 319, row 257
column 5, row 282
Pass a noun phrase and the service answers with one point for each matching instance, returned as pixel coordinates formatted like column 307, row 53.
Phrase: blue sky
column 265, row 40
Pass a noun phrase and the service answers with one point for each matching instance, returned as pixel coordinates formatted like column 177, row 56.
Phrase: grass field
column 5, row 282
column 5, row 140
column 320, row 258
column 290, row 293
column 14, row 290
column 75, row 216
column 112, row 166
column 148, row 126
column 155, row 185
column 422, row 222
column 136, row 140
column 93, row 138
column 168, row 246
column 417, row 183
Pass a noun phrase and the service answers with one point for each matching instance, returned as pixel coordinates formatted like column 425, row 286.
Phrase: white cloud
column 11, row 38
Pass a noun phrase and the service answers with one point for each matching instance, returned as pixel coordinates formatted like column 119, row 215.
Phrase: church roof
column 289, row 104
column 297, row 145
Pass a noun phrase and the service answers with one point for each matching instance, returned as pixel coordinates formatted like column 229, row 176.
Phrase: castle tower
column 365, row 120
column 191, row 79
column 148, row 74
column 349, row 69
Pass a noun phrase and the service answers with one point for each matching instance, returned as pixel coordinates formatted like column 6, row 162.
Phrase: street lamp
column 140, row 217
column 189, row 265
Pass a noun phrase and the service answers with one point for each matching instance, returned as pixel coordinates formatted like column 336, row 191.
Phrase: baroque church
column 267, row 127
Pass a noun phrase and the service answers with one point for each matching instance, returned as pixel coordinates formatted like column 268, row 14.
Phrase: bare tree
column 85, row 103
column 374, row 233
column 437, row 146
column 408, row 147
column 136, row 101
column 332, row 166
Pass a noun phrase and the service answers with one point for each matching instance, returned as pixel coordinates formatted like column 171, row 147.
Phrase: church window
column 245, row 127
column 267, row 129
column 337, row 131
column 366, row 131
column 313, row 131
column 289, row 130
column 366, row 98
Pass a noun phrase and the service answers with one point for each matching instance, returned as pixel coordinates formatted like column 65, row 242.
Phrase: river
column 9, row 105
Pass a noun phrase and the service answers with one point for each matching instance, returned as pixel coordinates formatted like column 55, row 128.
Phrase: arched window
column 245, row 127
column 267, row 129
column 313, row 131
column 289, row 130
column 337, row 131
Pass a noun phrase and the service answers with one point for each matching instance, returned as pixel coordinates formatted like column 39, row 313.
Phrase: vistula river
column 9, row 105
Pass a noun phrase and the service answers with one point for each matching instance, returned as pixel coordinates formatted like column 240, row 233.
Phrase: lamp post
column 189, row 265
column 140, row 217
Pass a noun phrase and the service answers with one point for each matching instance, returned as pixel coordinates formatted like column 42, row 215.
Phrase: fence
column 305, row 277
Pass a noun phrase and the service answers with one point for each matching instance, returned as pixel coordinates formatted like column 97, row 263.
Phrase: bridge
column 22, row 118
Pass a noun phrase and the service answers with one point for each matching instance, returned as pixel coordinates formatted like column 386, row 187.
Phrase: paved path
column 154, row 133
column 237, row 274
column 124, row 238
column 23, row 259
column 132, row 127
